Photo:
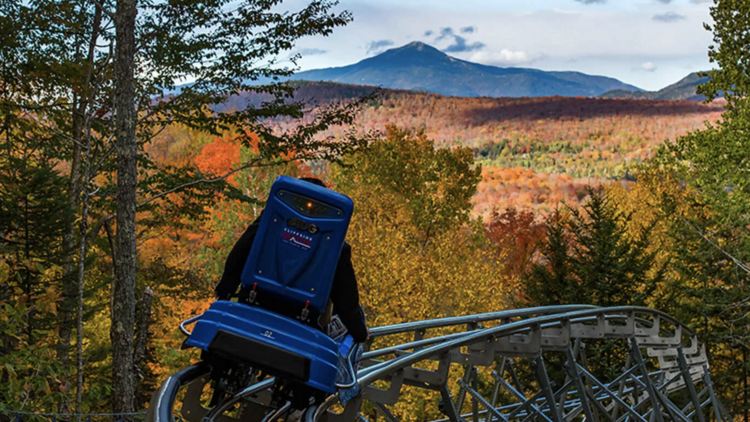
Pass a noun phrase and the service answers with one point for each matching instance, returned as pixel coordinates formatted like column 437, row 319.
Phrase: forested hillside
column 118, row 207
column 535, row 151
column 684, row 89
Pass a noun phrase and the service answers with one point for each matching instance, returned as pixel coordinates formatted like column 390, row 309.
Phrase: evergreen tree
column 551, row 281
column 709, row 215
column 589, row 257
column 32, row 218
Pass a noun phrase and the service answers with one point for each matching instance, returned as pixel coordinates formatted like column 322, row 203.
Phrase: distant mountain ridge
column 684, row 89
column 418, row 66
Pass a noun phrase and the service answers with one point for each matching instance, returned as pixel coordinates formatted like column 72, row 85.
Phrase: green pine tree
column 590, row 258
column 710, row 229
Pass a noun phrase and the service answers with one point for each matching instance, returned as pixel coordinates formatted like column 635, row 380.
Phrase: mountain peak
column 414, row 53
column 418, row 45
column 420, row 66
column 684, row 89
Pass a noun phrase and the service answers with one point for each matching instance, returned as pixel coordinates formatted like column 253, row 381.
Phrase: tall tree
column 588, row 257
column 123, row 285
column 32, row 219
column 110, row 71
column 711, row 223
column 417, row 254
column 61, row 90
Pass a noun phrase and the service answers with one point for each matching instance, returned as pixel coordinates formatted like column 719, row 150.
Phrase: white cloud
column 648, row 67
column 612, row 39
column 504, row 57
column 311, row 51
column 668, row 17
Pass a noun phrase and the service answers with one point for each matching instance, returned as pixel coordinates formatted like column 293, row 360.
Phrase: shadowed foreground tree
column 32, row 218
column 710, row 221
column 589, row 257
column 106, row 85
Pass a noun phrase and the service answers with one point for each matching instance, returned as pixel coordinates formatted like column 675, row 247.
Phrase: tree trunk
column 79, row 117
column 123, row 303
column 84, row 216
column 69, row 245
column 79, row 311
column 141, row 336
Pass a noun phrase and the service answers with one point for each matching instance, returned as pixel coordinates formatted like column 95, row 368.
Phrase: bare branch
column 736, row 261
column 253, row 163
column 57, row 132
column 97, row 228
column 104, row 9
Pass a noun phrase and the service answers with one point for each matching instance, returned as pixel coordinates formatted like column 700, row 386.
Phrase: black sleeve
column 345, row 296
column 231, row 280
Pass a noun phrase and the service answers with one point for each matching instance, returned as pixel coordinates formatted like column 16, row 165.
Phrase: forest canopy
column 122, row 190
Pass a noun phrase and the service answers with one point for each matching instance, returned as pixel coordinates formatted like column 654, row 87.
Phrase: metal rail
column 490, row 348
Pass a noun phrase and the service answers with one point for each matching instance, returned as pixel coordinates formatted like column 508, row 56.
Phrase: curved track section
column 549, row 364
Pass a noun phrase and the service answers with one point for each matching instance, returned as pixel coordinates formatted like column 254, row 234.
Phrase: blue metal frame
column 293, row 258
column 275, row 331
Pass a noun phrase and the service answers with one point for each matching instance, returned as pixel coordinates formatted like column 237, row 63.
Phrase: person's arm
column 231, row 279
column 345, row 297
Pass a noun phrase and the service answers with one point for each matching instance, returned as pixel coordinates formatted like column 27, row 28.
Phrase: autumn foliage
column 452, row 206
column 534, row 151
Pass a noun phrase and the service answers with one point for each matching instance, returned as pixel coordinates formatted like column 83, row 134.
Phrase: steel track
column 496, row 367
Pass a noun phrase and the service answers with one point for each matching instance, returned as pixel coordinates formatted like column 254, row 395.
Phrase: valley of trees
column 534, row 151
column 119, row 205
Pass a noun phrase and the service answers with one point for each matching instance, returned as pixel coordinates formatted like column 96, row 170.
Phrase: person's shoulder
column 346, row 250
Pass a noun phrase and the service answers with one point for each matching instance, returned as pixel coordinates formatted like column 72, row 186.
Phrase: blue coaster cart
column 293, row 259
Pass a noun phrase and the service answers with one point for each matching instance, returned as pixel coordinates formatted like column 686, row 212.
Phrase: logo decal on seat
column 296, row 238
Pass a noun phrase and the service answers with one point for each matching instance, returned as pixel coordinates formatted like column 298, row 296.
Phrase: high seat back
column 298, row 244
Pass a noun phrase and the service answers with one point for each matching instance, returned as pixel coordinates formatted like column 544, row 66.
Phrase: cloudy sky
column 647, row 43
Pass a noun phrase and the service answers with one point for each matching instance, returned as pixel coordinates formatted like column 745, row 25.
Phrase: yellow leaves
column 4, row 271
column 49, row 300
column 406, row 269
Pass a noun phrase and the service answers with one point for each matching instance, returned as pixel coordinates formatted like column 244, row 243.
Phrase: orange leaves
column 219, row 157
column 516, row 233
column 254, row 143
column 547, row 139
column 524, row 188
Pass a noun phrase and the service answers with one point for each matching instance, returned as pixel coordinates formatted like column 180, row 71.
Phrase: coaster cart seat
column 293, row 259
column 264, row 340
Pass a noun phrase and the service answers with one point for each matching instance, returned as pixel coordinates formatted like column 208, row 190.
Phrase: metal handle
column 189, row 321
column 351, row 368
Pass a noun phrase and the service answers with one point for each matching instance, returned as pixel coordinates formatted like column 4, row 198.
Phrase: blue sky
column 647, row 43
